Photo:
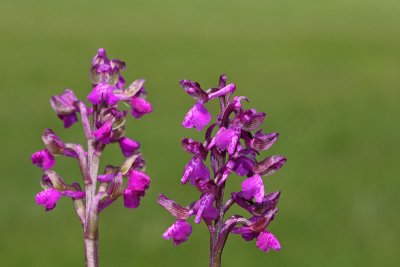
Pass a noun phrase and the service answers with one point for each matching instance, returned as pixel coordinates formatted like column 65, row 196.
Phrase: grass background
column 326, row 73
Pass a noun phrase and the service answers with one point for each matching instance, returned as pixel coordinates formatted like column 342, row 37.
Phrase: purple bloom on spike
column 43, row 159
column 179, row 232
column 140, row 107
column 253, row 187
column 104, row 123
column 63, row 106
column 266, row 241
column 128, row 146
column 195, row 171
column 197, row 117
column 103, row 134
column 138, row 181
column 131, row 199
column 226, row 139
column 103, row 92
column 48, row 198
column 233, row 143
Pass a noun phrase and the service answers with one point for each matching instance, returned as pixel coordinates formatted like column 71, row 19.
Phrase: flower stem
column 215, row 258
column 91, row 253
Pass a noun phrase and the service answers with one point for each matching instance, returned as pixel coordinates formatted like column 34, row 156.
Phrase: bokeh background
column 326, row 73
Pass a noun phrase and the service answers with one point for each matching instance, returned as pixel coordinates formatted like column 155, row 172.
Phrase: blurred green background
column 326, row 73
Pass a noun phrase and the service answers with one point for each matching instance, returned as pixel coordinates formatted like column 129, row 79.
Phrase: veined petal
column 52, row 142
column 269, row 165
column 194, row 90
column 63, row 104
column 253, row 187
column 172, row 207
column 179, row 232
column 197, row 117
column 266, row 241
column 262, row 141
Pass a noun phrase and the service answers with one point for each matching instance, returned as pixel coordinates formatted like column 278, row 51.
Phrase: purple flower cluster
column 103, row 123
column 232, row 143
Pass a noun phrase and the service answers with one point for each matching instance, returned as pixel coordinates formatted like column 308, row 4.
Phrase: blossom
column 140, row 107
column 128, row 146
column 103, row 92
column 43, row 159
column 253, row 187
column 227, row 139
column 138, row 183
column 232, row 147
column 52, row 142
column 48, row 198
column 63, row 106
column 103, row 119
column 266, row 241
column 197, row 117
column 195, row 169
column 103, row 134
column 179, row 232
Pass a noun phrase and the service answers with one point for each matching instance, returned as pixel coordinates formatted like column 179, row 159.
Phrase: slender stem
column 91, row 221
column 215, row 258
column 91, row 255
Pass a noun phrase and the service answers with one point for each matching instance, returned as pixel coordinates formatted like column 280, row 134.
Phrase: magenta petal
column 253, row 187
column 229, row 89
column 69, row 119
column 102, row 92
column 131, row 199
column 105, row 178
column 179, row 232
column 195, row 171
column 111, row 99
column 266, row 241
column 197, row 117
column 43, row 159
column 95, row 96
column 128, row 146
column 73, row 194
column 205, row 209
column 227, row 139
column 48, row 198
column 140, row 107
column 104, row 133
column 138, row 181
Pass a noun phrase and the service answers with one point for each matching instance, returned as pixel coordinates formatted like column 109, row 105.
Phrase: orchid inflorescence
column 232, row 149
column 103, row 123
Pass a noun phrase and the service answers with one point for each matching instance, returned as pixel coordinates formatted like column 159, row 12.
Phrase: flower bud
column 52, row 142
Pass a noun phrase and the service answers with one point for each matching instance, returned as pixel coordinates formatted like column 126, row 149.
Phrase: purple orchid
column 103, row 124
column 232, row 149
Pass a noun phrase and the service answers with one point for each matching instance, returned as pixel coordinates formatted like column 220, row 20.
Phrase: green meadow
column 327, row 73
